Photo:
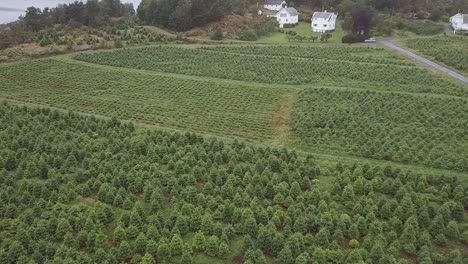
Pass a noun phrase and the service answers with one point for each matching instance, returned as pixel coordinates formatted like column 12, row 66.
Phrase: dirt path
column 414, row 56
column 282, row 127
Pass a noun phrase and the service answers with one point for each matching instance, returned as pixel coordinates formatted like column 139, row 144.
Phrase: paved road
column 408, row 53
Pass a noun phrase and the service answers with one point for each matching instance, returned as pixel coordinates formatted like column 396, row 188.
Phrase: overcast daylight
column 10, row 10
column 234, row 132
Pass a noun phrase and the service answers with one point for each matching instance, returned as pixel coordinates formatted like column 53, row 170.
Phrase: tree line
column 182, row 15
column 92, row 13
column 439, row 7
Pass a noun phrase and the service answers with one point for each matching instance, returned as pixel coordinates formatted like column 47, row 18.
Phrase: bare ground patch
column 282, row 127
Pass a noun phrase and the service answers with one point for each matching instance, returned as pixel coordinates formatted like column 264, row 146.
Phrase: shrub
column 118, row 44
column 425, row 27
column 248, row 35
column 289, row 25
column 352, row 38
column 264, row 28
column 217, row 34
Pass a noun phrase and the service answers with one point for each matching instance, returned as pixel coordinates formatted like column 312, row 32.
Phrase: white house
column 287, row 15
column 275, row 5
column 323, row 21
column 459, row 22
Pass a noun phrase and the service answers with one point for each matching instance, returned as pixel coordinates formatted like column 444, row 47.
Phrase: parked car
column 371, row 40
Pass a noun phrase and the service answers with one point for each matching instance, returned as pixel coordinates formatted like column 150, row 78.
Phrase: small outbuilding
column 323, row 21
column 459, row 23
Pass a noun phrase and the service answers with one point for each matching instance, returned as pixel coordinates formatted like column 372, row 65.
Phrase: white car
column 371, row 40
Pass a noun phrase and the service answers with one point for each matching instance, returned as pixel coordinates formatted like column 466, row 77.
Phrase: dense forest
column 38, row 24
column 185, row 14
column 77, row 189
column 91, row 13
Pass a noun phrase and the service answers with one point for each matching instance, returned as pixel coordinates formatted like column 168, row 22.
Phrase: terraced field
column 381, row 175
column 328, row 69
column 203, row 106
column 385, row 126
column 341, row 53
column 340, row 100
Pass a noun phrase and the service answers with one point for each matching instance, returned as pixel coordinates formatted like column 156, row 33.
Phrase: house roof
column 273, row 2
column 463, row 17
column 324, row 15
column 292, row 11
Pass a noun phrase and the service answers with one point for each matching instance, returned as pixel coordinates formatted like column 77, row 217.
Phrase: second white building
column 323, row 21
column 459, row 22
column 287, row 15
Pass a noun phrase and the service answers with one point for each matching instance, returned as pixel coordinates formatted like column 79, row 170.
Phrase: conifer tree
column 199, row 242
column 176, row 245
column 223, row 250
column 285, row 256
column 125, row 251
column 164, row 251
column 212, row 246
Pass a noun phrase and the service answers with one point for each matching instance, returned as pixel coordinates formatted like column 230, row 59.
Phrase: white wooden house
column 287, row 15
column 459, row 22
column 323, row 21
column 275, row 5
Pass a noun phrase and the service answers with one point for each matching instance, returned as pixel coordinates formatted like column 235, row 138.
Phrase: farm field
column 449, row 50
column 195, row 132
column 202, row 106
column 350, row 54
column 402, row 128
column 80, row 189
column 278, row 70
column 354, row 115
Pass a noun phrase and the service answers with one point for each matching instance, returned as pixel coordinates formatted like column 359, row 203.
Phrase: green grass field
column 303, row 29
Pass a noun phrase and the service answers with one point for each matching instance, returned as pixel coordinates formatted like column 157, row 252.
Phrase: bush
column 248, row 35
column 289, row 25
column 217, row 34
column 264, row 28
column 425, row 27
column 352, row 38
column 118, row 44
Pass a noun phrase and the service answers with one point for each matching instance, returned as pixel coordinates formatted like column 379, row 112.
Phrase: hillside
column 224, row 139
column 102, row 191
column 386, row 181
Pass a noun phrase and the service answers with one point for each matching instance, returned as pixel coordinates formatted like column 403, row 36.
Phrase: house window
column 324, row 25
column 282, row 15
column 286, row 20
column 315, row 25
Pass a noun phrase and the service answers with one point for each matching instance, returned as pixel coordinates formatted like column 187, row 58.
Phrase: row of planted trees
column 84, row 190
